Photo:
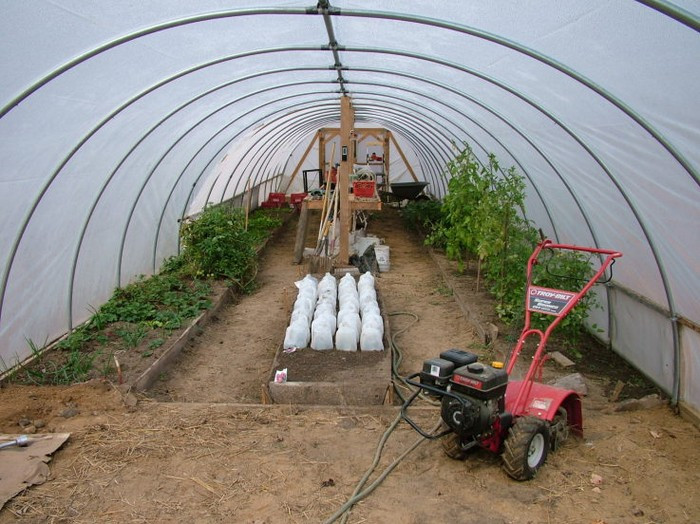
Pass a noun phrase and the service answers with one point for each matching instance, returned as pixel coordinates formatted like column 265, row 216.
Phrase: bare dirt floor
column 200, row 447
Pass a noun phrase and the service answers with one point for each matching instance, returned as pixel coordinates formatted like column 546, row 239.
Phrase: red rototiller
column 482, row 407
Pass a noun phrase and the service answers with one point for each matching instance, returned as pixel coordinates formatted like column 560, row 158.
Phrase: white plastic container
column 352, row 319
column 365, row 279
column 305, row 305
column 324, row 308
column 367, row 297
column 373, row 321
column 346, row 338
column 370, row 308
column 321, row 335
column 350, row 305
column 297, row 335
column 383, row 258
column 330, row 318
column 299, row 315
column 371, row 340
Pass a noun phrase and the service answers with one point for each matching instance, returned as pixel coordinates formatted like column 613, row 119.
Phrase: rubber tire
column 517, row 446
column 452, row 446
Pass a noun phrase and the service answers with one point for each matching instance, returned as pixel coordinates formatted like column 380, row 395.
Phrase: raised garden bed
column 334, row 377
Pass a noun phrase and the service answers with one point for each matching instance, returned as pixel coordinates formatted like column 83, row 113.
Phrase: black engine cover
column 471, row 416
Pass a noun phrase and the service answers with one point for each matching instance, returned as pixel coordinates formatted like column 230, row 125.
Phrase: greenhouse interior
column 240, row 238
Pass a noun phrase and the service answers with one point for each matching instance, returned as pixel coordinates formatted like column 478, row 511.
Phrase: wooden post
column 301, row 161
column 322, row 152
column 403, row 157
column 387, row 148
column 347, row 125
column 302, row 228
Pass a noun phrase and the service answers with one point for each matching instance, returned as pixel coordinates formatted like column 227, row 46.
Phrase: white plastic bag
column 374, row 322
column 346, row 338
column 371, row 340
column 297, row 335
column 365, row 279
column 324, row 308
column 352, row 319
column 370, row 308
column 321, row 335
column 297, row 314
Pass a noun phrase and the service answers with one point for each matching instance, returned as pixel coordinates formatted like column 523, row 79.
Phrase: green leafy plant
column 217, row 245
column 482, row 218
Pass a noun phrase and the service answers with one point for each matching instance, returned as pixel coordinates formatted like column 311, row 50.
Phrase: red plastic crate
column 364, row 188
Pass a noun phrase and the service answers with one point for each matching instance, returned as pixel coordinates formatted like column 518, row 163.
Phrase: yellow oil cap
column 497, row 364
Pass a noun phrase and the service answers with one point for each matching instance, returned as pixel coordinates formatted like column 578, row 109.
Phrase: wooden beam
column 303, row 159
column 302, row 231
column 403, row 157
column 387, row 149
column 322, row 153
column 347, row 124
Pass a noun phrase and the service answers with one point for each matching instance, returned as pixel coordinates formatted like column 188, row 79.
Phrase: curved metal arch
column 174, row 144
column 194, row 185
column 677, row 14
column 67, row 66
column 132, row 100
column 475, row 122
column 540, row 57
column 417, row 138
column 673, row 11
column 307, row 116
column 506, row 121
column 438, row 149
column 424, row 154
column 268, row 136
column 135, row 146
column 289, row 140
column 570, row 132
column 271, row 130
column 177, row 180
column 47, row 184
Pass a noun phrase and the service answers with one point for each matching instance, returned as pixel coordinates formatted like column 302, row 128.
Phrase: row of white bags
column 314, row 316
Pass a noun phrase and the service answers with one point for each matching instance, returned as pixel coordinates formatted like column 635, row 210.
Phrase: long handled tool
column 21, row 441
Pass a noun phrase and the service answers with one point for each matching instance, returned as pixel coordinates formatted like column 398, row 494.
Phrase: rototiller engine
column 482, row 407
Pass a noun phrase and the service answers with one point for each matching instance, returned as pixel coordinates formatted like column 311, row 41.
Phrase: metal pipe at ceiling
column 324, row 8
column 665, row 8
column 132, row 100
column 75, row 149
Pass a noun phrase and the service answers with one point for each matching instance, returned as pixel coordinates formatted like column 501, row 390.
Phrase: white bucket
column 382, row 254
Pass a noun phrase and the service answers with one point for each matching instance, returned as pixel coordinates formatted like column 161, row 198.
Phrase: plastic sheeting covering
column 118, row 120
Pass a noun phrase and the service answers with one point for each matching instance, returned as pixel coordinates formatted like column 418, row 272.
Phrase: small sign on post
column 548, row 301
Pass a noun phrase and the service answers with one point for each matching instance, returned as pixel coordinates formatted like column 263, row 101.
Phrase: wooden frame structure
column 349, row 140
